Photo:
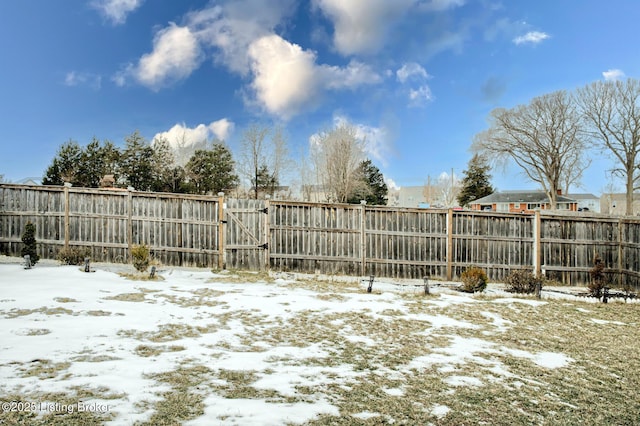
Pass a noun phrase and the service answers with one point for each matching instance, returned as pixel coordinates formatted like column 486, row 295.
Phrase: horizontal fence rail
column 219, row 232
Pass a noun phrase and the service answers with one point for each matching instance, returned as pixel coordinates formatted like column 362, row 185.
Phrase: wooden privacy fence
column 214, row 231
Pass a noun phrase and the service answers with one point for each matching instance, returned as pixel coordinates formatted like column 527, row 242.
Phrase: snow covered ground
column 263, row 353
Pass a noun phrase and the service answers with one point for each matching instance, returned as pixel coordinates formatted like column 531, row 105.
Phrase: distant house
column 522, row 202
column 587, row 202
column 423, row 196
column 30, row 181
column 616, row 204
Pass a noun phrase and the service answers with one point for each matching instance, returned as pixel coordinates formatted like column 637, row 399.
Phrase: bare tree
column 336, row 155
column 263, row 160
column 449, row 186
column 543, row 138
column 612, row 112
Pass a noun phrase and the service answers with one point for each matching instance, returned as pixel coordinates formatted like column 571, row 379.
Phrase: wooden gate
column 247, row 230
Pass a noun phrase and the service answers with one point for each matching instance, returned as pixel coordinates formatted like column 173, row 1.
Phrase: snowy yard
column 201, row 348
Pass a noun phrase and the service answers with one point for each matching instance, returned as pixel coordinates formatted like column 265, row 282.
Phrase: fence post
column 222, row 252
column 537, row 245
column 267, row 247
column 363, row 240
column 67, row 206
column 449, row 244
column 622, row 275
column 130, row 223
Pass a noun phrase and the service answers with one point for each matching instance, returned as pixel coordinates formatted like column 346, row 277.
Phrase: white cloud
column 233, row 26
column 287, row 78
column 175, row 55
column 420, row 96
column 391, row 184
column 353, row 75
column 180, row 136
column 75, row 78
column 222, row 128
column 532, row 37
column 411, row 70
column 360, row 26
column 116, row 10
column 284, row 75
column 613, row 75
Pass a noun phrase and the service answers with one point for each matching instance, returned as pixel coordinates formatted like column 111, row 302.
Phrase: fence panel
column 569, row 244
column 97, row 221
column 315, row 238
column 497, row 243
column 44, row 208
column 245, row 234
column 407, row 243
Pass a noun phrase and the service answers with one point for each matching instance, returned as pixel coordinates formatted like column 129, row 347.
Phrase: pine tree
column 29, row 240
column 137, row 163
column 372, row 187
column 64, row 167
column 475, row 183
column 265, row 181
column 212, row 170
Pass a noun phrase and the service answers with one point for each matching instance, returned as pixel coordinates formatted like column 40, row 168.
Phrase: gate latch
column 264, row 246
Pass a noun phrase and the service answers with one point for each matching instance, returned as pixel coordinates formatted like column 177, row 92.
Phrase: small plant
column 141, row 257
column 72, row 255
column 521, row 281
column 30, row 245
column 597, row 277
column 474, row 280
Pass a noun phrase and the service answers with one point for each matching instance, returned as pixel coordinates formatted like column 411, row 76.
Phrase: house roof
column 520, row 197
column 579, row 197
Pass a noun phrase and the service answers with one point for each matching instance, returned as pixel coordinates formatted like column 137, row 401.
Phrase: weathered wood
column 318, row 237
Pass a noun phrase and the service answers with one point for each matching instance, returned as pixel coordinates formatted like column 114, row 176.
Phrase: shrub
column 474, row 280
column 141, row 257
column 73, row 255
column 30, row 245
column 597, row 277
column 521, row 281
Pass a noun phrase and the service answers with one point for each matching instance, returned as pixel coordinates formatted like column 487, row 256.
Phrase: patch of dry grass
column 65, row 300
column 141, row 276
column 15, row 313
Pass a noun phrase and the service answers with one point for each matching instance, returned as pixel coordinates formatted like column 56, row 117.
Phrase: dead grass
column 141, row 276
column 44, row 369
column 65, row 300
column 15, row 313
column 184, row 400
column 148, row 351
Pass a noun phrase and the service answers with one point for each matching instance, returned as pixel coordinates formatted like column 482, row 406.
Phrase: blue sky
column 417, row 77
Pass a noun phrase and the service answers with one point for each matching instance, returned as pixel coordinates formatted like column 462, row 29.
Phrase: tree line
column 337, row 165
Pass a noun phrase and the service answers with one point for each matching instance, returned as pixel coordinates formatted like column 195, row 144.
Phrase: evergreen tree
column 64, row 167
column 372, row 187
column 82, row 166
column 265, row 181
column 164, row 169
column 211, row 170
column 29, row 240
column 137, row 163
column 475, row 183
column 96, row 160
